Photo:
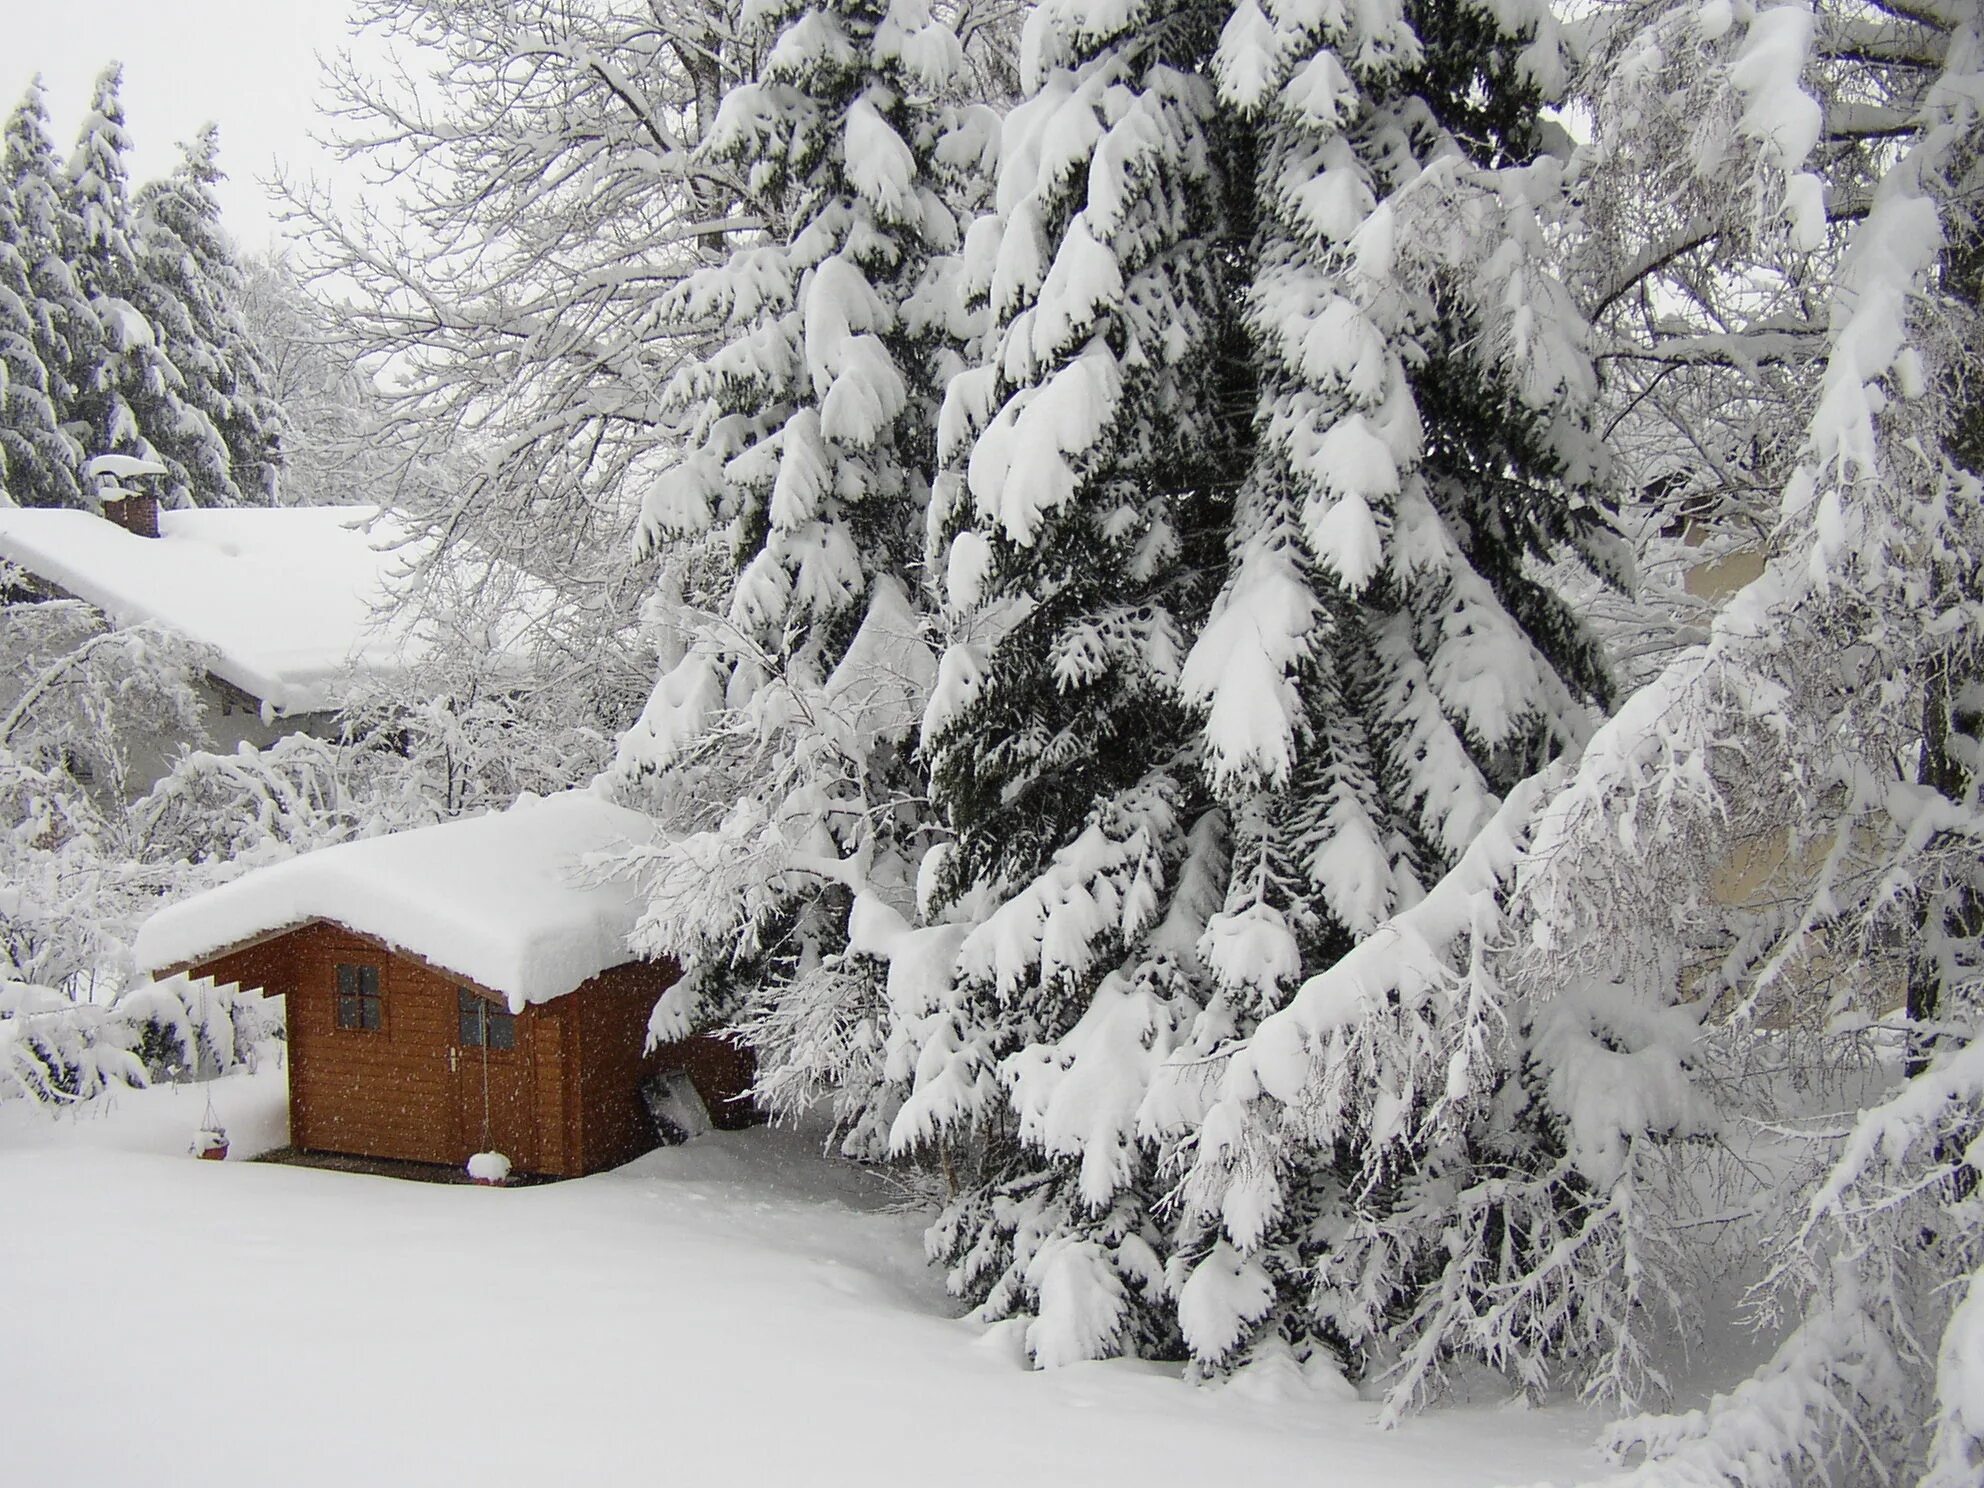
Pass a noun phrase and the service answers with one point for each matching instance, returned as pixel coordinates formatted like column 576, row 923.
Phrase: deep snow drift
column 738, row 1311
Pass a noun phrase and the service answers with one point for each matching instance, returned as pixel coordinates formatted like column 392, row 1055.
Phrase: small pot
column 489, row 1170
column 210, row 1146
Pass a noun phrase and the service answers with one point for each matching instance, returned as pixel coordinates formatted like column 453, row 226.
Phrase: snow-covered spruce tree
column 1792, row 733
column 1822, row 728
column 30, row 439
column 44, row 458
column 779, row 741
column 224, row 444
column 1406, row 416
column 122, row 386
column 1383, row 666
column 1090, row 461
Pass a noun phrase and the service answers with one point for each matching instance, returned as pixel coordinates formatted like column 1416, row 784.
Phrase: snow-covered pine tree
column 30, row 438
column 122, row 384
column 1803, row 734
column 44, row 464
column 1383, row 666
column 779, row 740
column 1781, row 737
column 1090, row 465
column 224, row 446
column 1157, row 848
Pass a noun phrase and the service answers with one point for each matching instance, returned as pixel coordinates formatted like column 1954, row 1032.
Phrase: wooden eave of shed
column 446, row 973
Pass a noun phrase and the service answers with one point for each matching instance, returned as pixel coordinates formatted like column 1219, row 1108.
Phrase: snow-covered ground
column 734, row 1311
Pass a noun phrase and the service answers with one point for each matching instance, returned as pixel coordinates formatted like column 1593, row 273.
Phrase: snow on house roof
column 504, row 899
column 286, row 596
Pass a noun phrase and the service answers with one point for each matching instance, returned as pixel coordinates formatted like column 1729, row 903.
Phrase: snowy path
column 732, row 1312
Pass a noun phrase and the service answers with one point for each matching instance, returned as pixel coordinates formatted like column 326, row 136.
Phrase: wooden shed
column 458, row 989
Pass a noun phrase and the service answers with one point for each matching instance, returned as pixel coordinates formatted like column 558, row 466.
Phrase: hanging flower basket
column 210, row 1140
column 490, row 1169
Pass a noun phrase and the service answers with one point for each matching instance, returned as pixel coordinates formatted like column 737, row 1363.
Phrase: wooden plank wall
column 391, row 1093
column 722, row 1073
column 384, row 1094
column 610, row 1016
column 269, row 966
column 557, row 1149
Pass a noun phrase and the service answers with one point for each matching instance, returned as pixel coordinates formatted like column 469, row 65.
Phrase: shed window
column 359, row 1004
column 482, row 1023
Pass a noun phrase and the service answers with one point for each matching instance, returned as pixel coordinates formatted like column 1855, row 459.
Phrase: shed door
column 492, row 1060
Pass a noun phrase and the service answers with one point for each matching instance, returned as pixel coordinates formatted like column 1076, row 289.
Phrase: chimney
column 136, row 511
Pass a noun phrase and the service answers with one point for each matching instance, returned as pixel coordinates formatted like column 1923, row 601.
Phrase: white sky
column 248, row 65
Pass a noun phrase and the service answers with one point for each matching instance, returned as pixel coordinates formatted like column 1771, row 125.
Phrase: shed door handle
column 454, row 1060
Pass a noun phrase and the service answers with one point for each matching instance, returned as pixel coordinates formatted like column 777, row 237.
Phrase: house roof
column 288, row 598
column 505, row 900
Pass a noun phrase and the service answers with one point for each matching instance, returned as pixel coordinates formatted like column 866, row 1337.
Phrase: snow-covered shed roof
column 504, row 900
column 285, row 596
